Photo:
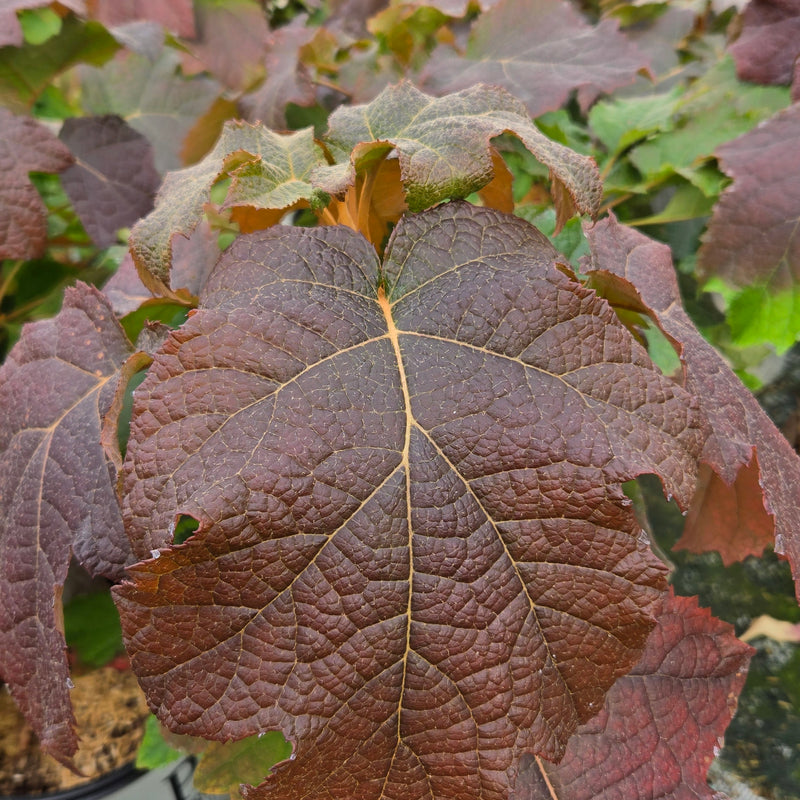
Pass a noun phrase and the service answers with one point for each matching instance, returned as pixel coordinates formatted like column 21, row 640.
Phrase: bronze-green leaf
column 444, row 145
column 275, row 178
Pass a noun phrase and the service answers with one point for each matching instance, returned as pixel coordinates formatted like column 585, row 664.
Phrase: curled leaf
column 755, row 488
column 444, row 145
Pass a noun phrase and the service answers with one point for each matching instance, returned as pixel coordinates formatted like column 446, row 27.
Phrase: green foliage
column 91, row 628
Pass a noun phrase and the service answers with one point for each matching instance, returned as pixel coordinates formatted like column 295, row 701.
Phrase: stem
column 365, row 202
column 15, row 268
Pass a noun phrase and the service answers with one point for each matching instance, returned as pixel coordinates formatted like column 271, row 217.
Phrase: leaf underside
column 413, row 555
column 443, row 145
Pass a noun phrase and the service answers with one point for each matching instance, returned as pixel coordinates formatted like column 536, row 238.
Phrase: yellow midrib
column 383, row 302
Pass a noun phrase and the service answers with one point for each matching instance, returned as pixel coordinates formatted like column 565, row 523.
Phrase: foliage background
column 657, row 93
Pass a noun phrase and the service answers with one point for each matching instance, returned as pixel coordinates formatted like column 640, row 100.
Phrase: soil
column 110, row 710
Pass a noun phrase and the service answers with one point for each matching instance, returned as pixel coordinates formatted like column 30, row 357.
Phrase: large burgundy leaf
column 755, row 488
column 25, row 146
column 769, row 42
column 540, row 51
column 413, row 555
column 57, row 497
column 661, row 725
column 113, row 181
column 753, row 233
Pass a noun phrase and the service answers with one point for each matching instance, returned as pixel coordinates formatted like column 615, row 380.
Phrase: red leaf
column 413, row 554
column 769, row 41
column 662, row 724
column 57, row 497
column 125, row 290
column 176, row 16
column 25, row 146
column 231, row 40
column 113, row 182
column 540, row 51
column 630, row 265
column 287, row 78
column 753, row 233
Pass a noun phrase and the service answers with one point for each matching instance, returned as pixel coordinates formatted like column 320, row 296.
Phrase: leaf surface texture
column 413, row 554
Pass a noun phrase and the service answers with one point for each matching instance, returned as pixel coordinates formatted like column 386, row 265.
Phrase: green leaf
column 223, row 767
column 154, row 752
column 717, row 108
column 570, row 241
column 759, row 314
column 39, row 24
column 688, row 202
column 621, row 122
column 26, row 71
column 91, row 628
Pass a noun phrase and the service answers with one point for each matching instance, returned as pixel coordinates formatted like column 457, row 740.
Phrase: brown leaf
column 413, row 557
column 57, row 497
column 629, row 265
column 25, row 146
column 540, row 51
column 661, row 725
column 125, row 290
column 113, row 181
column 769, row 42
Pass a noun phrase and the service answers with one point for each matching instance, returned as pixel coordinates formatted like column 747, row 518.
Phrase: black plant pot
column 172, row 782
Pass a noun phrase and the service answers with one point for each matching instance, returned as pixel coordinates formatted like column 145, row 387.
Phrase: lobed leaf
column 443, row 145
column 755, row 491
column 25, row 146
column 715, row 109
column 413, row 555
column 540, row 51
column 752, row 238
column 661, row 725
column 113, row 181
column 274, row 177
column 152, row 97
column 57, row 497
